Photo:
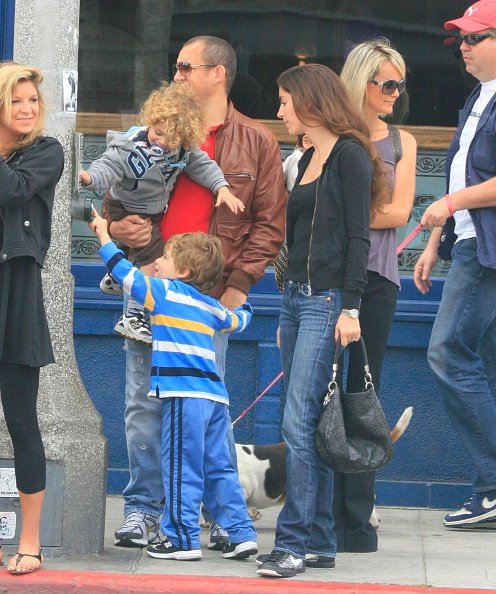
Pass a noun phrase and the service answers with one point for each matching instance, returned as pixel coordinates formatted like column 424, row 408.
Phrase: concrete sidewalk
column 416, row 555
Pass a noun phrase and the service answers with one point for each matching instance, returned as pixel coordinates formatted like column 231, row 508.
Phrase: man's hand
column 426, row 262
column 224, row 196
column 233, row 298
column 132, row 231
column 423, row 269
column 436, row 214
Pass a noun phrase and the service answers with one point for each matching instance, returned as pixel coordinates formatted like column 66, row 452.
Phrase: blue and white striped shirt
column 183, row 323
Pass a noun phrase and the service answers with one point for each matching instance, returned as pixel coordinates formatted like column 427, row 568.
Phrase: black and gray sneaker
column 138, row 530
column 281, row 564
column 311, row 560
column 166, row 550
column 217, row 537
column 239, row 550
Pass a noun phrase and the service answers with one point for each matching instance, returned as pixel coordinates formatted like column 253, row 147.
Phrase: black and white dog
column 262, row 471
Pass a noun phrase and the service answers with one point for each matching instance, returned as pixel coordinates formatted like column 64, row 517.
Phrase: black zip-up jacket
column 27, row 188
column 339, row 241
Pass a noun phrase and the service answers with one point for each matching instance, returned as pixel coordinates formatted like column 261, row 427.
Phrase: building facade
column 126, row 48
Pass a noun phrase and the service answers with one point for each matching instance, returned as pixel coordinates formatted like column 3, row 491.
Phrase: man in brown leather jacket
column 249, row 157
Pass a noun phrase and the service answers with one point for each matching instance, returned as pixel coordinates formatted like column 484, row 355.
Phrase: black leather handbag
column 352, row 434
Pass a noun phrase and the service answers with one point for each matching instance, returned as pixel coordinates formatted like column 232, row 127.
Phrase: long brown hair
column 11, row 74
column 318, row 95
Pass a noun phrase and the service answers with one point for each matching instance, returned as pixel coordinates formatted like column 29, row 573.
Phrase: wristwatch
column 351, row 313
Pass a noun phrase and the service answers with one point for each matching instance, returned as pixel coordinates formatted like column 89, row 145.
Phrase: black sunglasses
column 472, row 38
column 187, row 68
column 388, row 87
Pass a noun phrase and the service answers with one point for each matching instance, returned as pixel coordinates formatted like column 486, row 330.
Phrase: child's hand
column 99, row 226
column 85, row 177
column 224, row 196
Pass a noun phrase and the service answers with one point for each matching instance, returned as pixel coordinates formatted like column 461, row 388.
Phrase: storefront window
column 127, row 48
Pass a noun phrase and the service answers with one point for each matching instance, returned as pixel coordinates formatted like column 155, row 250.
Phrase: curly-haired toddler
column 140, row 168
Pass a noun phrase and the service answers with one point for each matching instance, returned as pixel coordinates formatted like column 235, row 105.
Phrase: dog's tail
column 402, row 424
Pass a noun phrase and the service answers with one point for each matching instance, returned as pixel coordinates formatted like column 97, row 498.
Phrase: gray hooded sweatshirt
column 135, row 179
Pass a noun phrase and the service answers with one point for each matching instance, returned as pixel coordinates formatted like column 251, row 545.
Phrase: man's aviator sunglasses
column 187, row 68
column 388, row 87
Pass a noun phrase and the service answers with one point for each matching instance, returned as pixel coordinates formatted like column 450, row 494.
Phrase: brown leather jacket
column 250, row 159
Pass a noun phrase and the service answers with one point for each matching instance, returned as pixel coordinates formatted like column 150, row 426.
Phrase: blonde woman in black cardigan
column 30, row 167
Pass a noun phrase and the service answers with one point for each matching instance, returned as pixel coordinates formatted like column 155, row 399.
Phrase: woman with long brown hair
column 338, row 190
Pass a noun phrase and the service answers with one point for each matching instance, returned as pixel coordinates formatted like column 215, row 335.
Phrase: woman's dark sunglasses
column 472, row 38
column 186, row 67
column 388, row 87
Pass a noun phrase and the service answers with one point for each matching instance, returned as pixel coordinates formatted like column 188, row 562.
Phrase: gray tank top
column 382, row 255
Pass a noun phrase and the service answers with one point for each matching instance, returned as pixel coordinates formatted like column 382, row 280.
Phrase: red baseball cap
column 479, row 16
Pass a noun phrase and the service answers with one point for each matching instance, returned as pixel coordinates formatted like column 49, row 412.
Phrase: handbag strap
column 338, row 351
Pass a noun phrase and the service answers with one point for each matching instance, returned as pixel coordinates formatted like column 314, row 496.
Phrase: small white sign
column 70, row 86
column 7, row 525
column 8, row 487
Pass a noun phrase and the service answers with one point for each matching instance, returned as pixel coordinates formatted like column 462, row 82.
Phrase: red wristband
column 450, row 205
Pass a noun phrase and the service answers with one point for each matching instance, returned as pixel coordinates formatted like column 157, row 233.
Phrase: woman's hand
column 347, row 330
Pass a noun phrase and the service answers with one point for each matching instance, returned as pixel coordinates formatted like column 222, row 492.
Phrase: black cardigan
column 339, row 244
column 27, row 188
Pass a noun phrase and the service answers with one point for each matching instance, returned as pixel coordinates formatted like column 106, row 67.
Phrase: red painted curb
column 92, row 582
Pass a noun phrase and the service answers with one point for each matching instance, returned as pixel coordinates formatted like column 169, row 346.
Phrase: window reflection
column 127, row 47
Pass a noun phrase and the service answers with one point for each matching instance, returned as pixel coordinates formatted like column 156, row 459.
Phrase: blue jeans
column 307, row 323
column 143, row 424
column 462, row 357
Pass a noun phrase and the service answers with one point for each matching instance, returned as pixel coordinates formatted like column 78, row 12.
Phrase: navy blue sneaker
column 478, row 511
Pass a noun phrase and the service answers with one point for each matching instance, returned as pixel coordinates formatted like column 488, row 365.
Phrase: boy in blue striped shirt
column 196, row 465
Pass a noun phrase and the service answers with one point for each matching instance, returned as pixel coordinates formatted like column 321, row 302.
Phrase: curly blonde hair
column 11, row 74
column 177, row 112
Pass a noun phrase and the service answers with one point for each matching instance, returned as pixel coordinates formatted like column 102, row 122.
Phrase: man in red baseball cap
column 462, row 348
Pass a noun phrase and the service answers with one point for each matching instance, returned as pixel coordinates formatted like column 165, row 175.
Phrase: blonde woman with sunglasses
column 375, row 75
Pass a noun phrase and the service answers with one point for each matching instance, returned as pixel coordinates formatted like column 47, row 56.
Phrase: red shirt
column 190, row 206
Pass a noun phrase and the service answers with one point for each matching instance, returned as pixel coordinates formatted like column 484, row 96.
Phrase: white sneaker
column 240, row 550
column 134, row 327
column 109, row 285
